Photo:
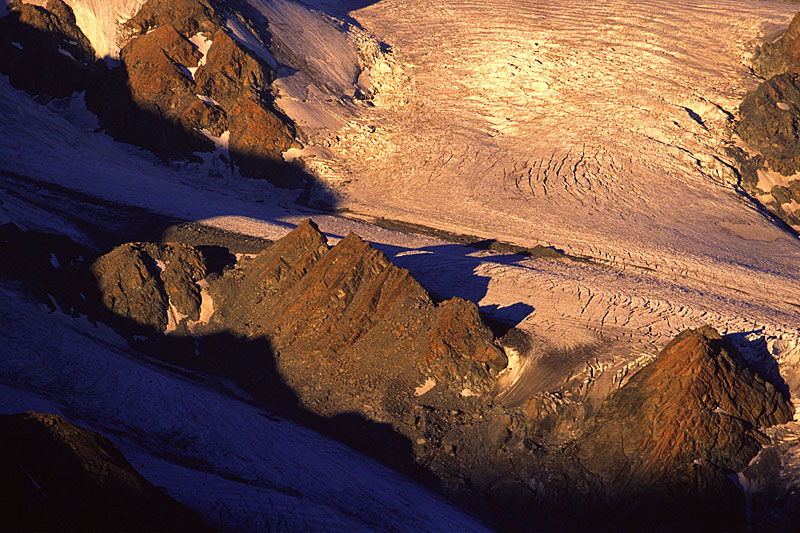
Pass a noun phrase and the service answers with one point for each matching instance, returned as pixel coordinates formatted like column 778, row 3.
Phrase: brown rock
column 681, row 425
column 238, row 80
column 139, row 281
column 189, row 17
column 781, row 56
column 770, row 122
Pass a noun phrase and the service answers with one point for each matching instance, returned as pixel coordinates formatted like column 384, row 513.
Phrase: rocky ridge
column 679, row 428
column 344, row 341
column 343, row 312
column 349, row 333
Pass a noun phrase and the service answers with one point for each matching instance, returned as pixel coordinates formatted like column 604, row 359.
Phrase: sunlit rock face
column 672, row 436
column 57, row 476
column 186, row 85
column 183, row 85
column 338, row 316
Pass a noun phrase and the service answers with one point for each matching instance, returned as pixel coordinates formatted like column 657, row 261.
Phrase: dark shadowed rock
column 59, row 477
column 43, row 51
column 770, row 122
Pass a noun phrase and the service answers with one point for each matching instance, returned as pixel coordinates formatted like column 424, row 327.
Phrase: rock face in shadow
column 43, row 51
column 770, row 125
column 672, row 436
column 770, row 122
column 152, row 284
column 59, row 477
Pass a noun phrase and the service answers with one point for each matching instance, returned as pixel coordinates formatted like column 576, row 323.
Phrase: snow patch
column 767, row 179
column 202, row 43
column 467, row 393
column 54, row 261
column 510, row 375
column 245, row 37
column 187, row 71
column 100, row 21
column 66, row 53
column 207, row 100
column 174, row 318
column 425, row 387
column 783, row 106
column 18, row 45
column 220, row 142
column 33, row 481
column 206, row 307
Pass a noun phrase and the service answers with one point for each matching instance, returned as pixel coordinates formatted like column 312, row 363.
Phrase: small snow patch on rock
column 425, row 387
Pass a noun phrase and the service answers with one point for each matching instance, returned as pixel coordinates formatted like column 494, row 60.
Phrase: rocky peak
column 330, row 309
column 682, row 424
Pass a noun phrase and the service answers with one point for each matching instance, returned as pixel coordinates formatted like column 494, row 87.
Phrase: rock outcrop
column 780, row 56
column 343, row 320
column 186, row 86
column 341, row 339
column 770, row 122
column 57, row 476
column 152, row 284
column 671, row 437
column 43, row 51
column 770, row 126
